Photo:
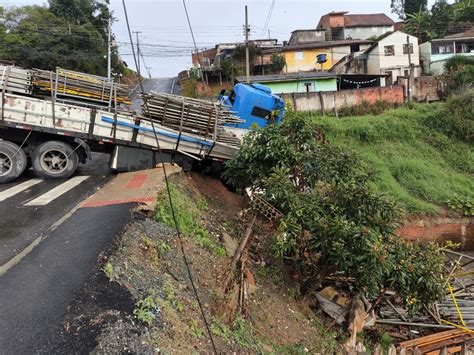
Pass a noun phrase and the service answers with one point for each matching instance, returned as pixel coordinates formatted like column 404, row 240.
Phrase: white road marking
column 57, row 191
column 18, row 188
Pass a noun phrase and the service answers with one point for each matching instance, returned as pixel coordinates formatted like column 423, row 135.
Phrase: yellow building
column 304, row 57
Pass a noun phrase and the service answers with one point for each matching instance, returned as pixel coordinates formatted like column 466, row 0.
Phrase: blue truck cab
column 254, row 104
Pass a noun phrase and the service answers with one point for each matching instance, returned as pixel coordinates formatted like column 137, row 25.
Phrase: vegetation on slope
column 421, row 157
column 334, row 220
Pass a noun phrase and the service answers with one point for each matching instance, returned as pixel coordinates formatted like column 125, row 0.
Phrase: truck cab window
column 261, row 112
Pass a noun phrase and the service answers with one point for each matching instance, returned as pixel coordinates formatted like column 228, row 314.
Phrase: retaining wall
column 457, row 230
column 334, row 100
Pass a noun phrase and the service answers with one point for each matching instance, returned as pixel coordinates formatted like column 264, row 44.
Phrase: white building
column 389, row 56
column 392, row 54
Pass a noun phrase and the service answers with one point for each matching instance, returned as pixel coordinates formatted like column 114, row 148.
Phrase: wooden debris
column 357, row 317
column 445, row 342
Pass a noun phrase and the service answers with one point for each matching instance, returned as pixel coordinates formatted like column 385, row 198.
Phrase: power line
column 269, row 16
column 178, row 231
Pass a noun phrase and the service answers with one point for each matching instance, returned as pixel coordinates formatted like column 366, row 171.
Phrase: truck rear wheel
column 12, row 161
column 55, row 159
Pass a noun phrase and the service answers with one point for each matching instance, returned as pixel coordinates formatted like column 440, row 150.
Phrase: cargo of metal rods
column 67, row 83
column 14, row 79
column 189, row 115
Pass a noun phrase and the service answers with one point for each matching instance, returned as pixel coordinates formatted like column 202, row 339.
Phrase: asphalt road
column 35, row 293
column 37, row 283
column 20, row 223
column 167, row 85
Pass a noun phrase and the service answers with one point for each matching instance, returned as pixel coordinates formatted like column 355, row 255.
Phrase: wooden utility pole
column 247, row 55
column 410, row 72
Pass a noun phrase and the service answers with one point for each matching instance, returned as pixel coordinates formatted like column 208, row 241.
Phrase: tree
column 277, row 64
column 81, row 11
column 70, row 34
column 226, row 66
column 419, row 24
column 405, row 7
column 442, row 15
column 334, row 222
column 238, row 57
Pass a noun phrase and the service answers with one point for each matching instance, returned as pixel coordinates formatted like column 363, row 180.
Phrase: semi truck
column 54, row 133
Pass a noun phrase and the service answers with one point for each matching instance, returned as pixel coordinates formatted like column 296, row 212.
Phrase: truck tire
column 12, row 161
column 55, row 160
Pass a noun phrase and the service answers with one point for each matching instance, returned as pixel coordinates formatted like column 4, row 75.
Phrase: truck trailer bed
column 101, row 126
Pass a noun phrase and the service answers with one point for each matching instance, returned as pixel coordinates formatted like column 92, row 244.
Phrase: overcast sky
column 166, row 40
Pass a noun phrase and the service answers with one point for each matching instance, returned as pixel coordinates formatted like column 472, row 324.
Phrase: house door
column 389, row 78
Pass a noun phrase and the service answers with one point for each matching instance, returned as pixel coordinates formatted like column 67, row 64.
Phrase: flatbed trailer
column 54, row 137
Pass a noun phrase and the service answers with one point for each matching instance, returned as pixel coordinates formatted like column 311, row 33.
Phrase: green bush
column 461, row 70
column 335, row 221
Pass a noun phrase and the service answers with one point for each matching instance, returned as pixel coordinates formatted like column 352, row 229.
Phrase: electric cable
column 178, row 231
column 267, row 21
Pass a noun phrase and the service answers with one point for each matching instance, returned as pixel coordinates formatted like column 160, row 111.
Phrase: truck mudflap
column 85, row 146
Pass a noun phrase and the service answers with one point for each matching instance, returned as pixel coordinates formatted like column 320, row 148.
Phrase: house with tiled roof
column 341, row 25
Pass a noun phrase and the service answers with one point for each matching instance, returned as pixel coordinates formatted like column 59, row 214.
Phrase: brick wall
column 328, row 101
column 459, row 230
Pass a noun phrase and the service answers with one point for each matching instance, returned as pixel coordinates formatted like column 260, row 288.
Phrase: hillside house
column 304, row 57
column 435, row 52
column 293, row 83
column 342, row 25
column 389, row 56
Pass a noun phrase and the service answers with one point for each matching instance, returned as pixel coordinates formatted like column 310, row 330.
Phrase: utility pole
column 109, row 60
column 247, row 55
column 138, row 50
column 411, row 71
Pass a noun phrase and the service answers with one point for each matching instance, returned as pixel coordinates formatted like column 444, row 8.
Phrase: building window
column 355, row 48
column 405, row 48
column 308, row 87
column 442, row 48
column 299, row 55
column 389, row 50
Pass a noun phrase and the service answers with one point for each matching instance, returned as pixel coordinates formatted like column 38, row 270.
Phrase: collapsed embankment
column 421, row 157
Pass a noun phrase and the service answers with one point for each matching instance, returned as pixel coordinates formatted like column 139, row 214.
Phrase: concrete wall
column 365, row 32
column 298, row 86
column 430, row 88
column 328, row 101
column 302, row 37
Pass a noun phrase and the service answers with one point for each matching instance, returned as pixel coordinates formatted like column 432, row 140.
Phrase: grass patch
column 413, row 161
column 187, row 211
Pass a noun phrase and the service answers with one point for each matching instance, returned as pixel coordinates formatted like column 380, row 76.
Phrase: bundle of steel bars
column 190, row 115
column 15, row 79
column 76, row 85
